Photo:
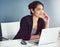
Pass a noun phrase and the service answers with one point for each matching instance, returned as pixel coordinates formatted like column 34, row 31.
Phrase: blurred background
column 14, row 10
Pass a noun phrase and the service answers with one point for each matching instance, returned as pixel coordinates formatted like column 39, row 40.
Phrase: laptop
column 49, row 36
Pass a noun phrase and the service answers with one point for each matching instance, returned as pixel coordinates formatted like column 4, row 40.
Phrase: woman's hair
column 34, row 4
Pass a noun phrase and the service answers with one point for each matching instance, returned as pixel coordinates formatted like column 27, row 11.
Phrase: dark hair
column 34, row 4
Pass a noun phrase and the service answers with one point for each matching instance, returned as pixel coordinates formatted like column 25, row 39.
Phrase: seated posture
column 32, row 25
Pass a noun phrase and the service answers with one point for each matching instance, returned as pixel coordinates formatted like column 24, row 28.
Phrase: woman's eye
column 40, row 9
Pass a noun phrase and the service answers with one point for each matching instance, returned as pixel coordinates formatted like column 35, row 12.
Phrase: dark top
column 26, row 27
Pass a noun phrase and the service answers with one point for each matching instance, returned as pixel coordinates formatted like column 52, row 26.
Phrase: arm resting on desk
column 34, row 37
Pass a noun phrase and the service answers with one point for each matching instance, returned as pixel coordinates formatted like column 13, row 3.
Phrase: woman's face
column 38, row 11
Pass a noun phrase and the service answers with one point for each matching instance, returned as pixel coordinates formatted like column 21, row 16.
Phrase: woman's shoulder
column 26, row 17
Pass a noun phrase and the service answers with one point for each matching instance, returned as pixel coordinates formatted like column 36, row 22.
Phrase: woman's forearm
column 34, row 37
column 47, row 25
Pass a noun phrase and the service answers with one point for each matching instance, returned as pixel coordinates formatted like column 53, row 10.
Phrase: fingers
column 46, row 16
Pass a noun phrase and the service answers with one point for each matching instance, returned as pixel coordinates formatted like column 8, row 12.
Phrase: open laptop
column 49, row 36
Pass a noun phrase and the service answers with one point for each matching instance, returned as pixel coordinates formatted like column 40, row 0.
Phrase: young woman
column 31, row 25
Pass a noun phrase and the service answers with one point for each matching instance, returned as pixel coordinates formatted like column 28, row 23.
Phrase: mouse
column 23, row 42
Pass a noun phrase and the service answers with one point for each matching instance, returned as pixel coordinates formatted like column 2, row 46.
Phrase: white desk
column 16, row 43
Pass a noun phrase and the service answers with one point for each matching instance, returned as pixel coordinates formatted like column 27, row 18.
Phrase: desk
column 16, row 43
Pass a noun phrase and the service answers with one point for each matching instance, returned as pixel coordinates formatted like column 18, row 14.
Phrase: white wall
column 52, row 7
column 55, row 22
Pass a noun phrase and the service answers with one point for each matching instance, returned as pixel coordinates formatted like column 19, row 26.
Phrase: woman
column 31, row 25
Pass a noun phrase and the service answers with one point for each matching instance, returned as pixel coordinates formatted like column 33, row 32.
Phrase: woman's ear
column 32, row 10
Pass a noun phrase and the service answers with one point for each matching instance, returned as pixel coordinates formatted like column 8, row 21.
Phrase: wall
column 14, row 10
column 52, row 7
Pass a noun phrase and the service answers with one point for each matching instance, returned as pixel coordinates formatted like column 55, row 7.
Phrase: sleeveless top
column 33, row 32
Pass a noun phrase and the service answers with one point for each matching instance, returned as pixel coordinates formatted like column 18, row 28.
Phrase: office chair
column 9, row 30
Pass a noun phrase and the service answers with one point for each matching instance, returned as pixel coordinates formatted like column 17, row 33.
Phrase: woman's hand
column 45, row 17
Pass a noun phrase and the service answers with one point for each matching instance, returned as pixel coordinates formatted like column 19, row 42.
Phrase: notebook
column 49, row 36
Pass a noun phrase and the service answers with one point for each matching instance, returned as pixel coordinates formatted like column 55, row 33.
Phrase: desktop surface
column 16, row 43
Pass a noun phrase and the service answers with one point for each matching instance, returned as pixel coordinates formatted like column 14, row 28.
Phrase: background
column 14, row 10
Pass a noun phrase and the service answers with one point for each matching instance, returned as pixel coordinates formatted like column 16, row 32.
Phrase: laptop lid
column 49, row 35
